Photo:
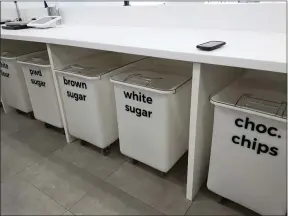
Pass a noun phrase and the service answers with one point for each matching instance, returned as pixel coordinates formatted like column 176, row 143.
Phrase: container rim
column 39, row 65
column 147, row 88
column 250, row 111
column 77, row 75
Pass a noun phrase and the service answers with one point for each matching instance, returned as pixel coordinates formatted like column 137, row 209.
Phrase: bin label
column 38, row 83
column 37, row 73
column 140, row 97
column 76, row 96
column 4, row 65
column 254, row 144
column 77, row 84
column 74, row 83
column 5, row 74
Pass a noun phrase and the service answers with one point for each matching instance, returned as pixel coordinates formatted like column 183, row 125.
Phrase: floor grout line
column 116, row 187
column 188, row 208
column 41, row 157
column 86, row 193
column 115, row 171
column 45, row 194
column 77, row 202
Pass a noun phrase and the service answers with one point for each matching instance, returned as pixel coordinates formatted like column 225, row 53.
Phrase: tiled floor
column 41, row 175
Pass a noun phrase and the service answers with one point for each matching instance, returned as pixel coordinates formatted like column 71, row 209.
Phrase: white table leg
column 69, row 137
column 207, row 80
column 6, row 108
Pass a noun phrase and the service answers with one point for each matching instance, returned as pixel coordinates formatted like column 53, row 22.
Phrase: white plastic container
column 39, row 79
column 13, row 86
column 88, row 97
column 248, row 154
column 153, row 113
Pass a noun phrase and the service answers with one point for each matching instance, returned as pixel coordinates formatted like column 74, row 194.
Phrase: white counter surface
column 246, row 49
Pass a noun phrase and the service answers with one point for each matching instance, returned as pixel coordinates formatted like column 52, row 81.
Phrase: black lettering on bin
column 244, row 140
column 248, row 122
column 272, row 129
column 149, row 100
column 261, row 128
column 140, row 97
column 234, row 139
column 237, row 122
column 262, row 148
column 254, row 144
column 138, row 112
column 4, row 74
column 127, row 94
column 74, row 83
column 273, row 151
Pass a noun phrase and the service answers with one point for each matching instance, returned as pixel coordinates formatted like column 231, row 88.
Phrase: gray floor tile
column 55, row 174
column 210, row 207
column 241, row 209
column 40, row 140
column 4, row 138
column 67, row 184
column 59, row 179
column 165, row 194
column 15, row 160
column 68, row 213
column 90, row 158
column 20, row 198
column 108, row 200
column 206, row 203
column 14, row 122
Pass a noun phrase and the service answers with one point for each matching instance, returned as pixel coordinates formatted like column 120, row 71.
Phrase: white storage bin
column 153, row 111
column 13, row 86
column 39, row 79
column 248, row 154
column 88, row 97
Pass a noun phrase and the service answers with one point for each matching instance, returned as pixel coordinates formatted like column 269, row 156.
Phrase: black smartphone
column 210, row 45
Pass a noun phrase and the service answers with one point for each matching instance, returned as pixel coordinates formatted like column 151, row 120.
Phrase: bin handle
column 277, row 105
column 36, row 59
column 141, row 77
column 76, row 66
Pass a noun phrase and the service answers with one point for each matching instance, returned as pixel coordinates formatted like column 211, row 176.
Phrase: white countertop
column 256, row 50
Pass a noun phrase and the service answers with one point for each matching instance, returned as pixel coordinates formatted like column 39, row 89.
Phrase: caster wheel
column 135, row 162
column 83, row 143
column 163, row 174
column 47, row 125
column 105, row 151
column 221, row 200
column 31, row 115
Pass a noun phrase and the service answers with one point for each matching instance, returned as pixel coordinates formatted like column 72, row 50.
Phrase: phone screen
column 211, row 43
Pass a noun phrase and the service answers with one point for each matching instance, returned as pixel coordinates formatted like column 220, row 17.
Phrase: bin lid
column 37, row 58
column 97, row 65
column 258, row 93
column 164, row 82
column 13, row 54
column 8, row 54
column 88, row 71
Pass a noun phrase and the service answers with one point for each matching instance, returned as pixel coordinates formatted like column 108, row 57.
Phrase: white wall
column 36, row 8
column 250, row 17
column 28, row 10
